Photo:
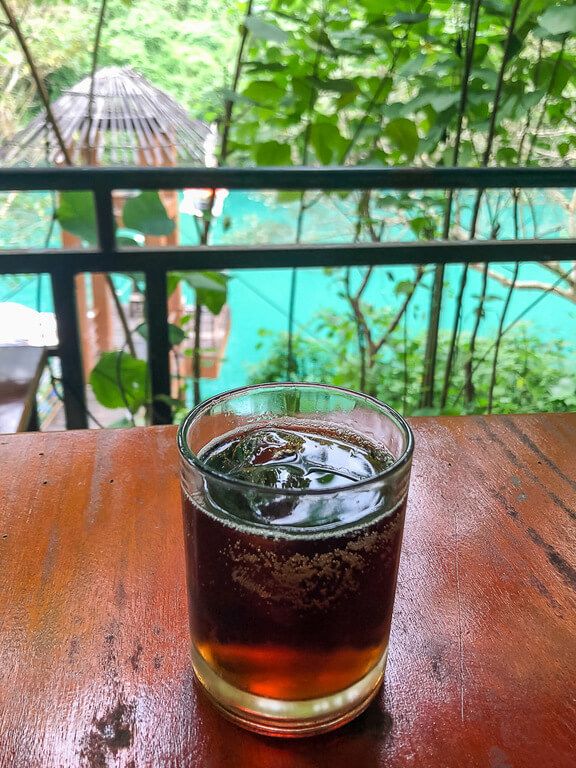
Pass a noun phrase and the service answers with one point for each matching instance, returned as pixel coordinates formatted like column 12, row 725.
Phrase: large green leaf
column 374, row 6
column 208, row 280
column 497, row 7
column 507, row 155
column 120, row 381
column 129, row 238
column 146, row 214
column 319, row 39
column 173, row 279
column 211, row 289
column 403, row 135
column 559, row 20
column 336, row 85
column 552, row 75
column 273, row 153
column 408, row 18
column 442, row 100
column 480, row 51
column 264, row 92
column 265, row 31
column 175, row 334
column 328, row 144
column 263, row 66
column 77, row 215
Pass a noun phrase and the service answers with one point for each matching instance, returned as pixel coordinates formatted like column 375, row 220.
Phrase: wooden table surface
column 94, row 665
column 20, row 371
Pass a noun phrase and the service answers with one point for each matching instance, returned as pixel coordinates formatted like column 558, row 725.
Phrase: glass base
column 275, row 717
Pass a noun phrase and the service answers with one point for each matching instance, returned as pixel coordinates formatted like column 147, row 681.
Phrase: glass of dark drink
column 293, row 504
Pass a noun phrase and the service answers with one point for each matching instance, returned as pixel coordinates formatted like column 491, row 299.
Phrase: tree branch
column 361, row 329
column 554, row 266
column 196, row 352
column 13, row 23
column 290, row 363
column 121, row 315
column 94, row 67
column 229, row 104
column 420, row 272
column 517, row 319
column 474, row 223
column 530, row 110
column 376, row 95
column 431, row 351
column 531, row 285
column 364, row 283
column 507, row 301
column 545, row 102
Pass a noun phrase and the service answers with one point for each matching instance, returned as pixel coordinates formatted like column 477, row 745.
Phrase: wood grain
column 94, row 666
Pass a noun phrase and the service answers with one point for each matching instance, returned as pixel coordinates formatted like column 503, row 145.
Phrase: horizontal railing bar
column 332, row 178
column 274, row 256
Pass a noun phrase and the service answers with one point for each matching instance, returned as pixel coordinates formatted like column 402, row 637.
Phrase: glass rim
column 190, row 457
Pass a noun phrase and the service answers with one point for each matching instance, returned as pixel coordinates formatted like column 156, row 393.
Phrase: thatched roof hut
column 131, row 122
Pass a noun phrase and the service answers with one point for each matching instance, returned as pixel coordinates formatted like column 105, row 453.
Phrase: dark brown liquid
column 283, row 616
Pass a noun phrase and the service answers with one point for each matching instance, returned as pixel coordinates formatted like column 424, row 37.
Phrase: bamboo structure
column 120, row 119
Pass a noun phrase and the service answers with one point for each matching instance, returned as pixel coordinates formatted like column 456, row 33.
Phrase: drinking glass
column 293, row 505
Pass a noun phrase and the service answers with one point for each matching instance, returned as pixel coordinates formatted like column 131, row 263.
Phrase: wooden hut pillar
column 101, row 299
column 165, row 154
column 102, row 312
column 168, row 155
column 169, row 198
column 82, row 308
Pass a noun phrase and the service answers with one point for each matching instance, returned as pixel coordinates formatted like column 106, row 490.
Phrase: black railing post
column 158, row 344
column 105, row 219
column 69, row 351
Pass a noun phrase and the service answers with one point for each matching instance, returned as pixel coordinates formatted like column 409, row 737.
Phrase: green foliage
column 559, row 20
column 533, row 375
column 58, row 36
column 273, row 153
column 143, row 215
column 374, row 82
column 77, row 215
column 403, row 135
column 210, row 287
column 175, row 334
column 379, row 82
column 212, row 296
column 120, row 381
column 265, row 31
column 327, row 142
column 183, row 46
column 146, row 214
column 565, row 391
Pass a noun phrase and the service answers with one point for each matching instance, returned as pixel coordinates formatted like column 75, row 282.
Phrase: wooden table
column 94, row 666
column 20, row 371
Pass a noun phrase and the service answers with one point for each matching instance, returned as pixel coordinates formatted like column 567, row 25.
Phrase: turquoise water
column 259, row 298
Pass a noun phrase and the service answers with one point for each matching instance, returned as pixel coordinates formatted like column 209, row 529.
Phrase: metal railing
column 155, row 263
